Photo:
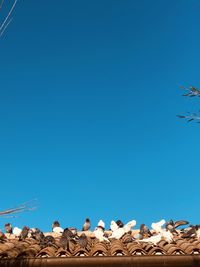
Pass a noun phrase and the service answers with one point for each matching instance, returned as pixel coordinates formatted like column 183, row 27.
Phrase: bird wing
column 179, row 223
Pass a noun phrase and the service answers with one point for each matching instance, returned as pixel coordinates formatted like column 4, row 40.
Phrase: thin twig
column 31, row 205
column 7, row 17
column 1, row 4
column 1, row 33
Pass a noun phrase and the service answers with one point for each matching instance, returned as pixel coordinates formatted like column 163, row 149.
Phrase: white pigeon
column 58, row 230
column 17, row 231
column 99, row 234
column 113, row 226
column 167, row 235
column 157, row 227
column 127, row 227
column 101, row 224
column 153, row 239
column 198, row 233
column 118, row 233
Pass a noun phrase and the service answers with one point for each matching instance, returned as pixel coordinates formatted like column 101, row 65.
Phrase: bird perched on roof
column 56, row 227
column 37, row 234
column 144, row 231
column 171, row 225
column 113, row 226
column 191, row 232
column 17, row 231
column 8, row 228
column 66, row 237
column 118, row 232
column 24, row 233
column 82, row 240
column 48, row 241
column 2, row 237
column 120, row 223
column 153, row 239
column 99, row 232
column 127, row 227
column 157, row 227
column 86, row 225
column 55, row 224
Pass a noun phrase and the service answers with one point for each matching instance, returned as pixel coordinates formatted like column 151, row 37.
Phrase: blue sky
column 88, row 101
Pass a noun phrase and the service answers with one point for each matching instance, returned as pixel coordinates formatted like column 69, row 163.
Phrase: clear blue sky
column 88, row 101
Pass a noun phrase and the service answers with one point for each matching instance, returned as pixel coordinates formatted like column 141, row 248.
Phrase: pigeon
column 86, row 225
column 64, row 242
column 191, row 232
column 55, row 224
column 119, row 223
column 8, row 228
column 144, row 231
column 118, row 233
column 37, row 234
column 127, row 227
column 171, row 225
column 157, row 227
column 17, row 231
column 153, row 239
column 48, row 241
column 82, row 240
column 58, row 230
column 101, row 224
column 167, row 235
column 99, row 232
column 24, row 233
column 113, row 226
column 2, row 237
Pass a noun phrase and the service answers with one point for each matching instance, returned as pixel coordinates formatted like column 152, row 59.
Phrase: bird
column 2, row 237
column 82, row 240
column 99, row 232
column 191, row 232
column 113, row 226
column 86, row 225
column 37, row 234
column 66, row 237
column 144, row 231
column 118, row 233
column 171, row 225
column 17, row 231
column 24, row 233
column 120, row 223
column 58, row 230
column 55, row 224
column 48, row 241
column 8, row 228
column 152, row 239
column 157, row 227
column 127, row 227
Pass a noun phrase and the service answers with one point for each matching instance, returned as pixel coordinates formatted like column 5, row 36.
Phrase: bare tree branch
column 1, row 4
column 192, row 92
column 5, row 23
column 1, row 33
column 31, row 205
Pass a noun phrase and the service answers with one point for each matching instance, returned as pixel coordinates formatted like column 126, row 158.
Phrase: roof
column 29, row 251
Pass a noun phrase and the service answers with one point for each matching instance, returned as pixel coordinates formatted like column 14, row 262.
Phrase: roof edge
column 125, row 261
